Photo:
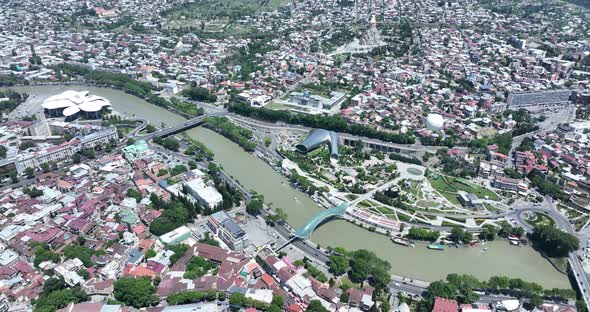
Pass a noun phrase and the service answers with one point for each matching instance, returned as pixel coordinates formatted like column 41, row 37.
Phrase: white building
column 207, row 195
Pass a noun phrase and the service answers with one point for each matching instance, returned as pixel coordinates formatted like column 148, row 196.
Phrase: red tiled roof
column 444, row 305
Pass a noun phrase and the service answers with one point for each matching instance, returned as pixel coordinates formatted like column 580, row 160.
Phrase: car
column 396, row 284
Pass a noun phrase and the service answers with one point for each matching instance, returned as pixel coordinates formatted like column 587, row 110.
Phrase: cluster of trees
column 311, row 270
column 56, row 295
column 14, row 99
column 209, row 240
column 504, row 142
column 199, row 150
column 448, row 141
column 246, row 57
column 10, row 80
column 87, row 153
column 554, row 242
column 459, row 235
column 302, row 183
column 406, row 159
column 513, row 173
column 131, row 192
column 26, row 145
column 365, row 265
column 33, row 192
column 136, row 292
column 199, row 94
column 423, row 234
column 361, row 265
column 187, row 297
column 78, row 251
column 254, row 207
column 168, row 143
column 488, row 232
column 185, row 108
column 453, row 166
column 335, row 123
column 526, row 145
column 177, row 212
column 233, row 132
column 43, row 253
column 230, row 196
column 139, row 88
column 197, row 267
column 525, row 123
column 392, row 197
column 462, row 288
column 546, row 187
column 179, row 251
column 507, row 230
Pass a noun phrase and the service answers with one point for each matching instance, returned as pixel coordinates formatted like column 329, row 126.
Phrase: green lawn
column 449, row 186
column 541, row 219
column 426, row 203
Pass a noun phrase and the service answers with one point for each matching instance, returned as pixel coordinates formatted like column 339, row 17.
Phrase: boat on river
column 402, row 241
column 436, row 246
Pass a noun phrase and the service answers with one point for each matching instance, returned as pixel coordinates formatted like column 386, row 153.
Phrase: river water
column 419, row 262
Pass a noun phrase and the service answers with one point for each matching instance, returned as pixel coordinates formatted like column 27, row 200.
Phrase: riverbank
column 254, row 174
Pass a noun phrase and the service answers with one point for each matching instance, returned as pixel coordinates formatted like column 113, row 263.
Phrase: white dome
column 75, row 101
column 434, row 122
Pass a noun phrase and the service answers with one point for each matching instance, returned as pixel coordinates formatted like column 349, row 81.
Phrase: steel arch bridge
column 308, row 228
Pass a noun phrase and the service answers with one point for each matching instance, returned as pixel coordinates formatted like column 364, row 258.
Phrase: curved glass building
column 316, row 138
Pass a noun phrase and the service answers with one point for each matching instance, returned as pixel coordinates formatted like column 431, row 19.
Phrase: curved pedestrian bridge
column 306, row 230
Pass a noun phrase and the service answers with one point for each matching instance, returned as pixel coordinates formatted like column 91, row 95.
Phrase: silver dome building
column 318, row 137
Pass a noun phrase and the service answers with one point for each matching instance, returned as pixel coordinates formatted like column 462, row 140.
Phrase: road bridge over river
column 183, row 126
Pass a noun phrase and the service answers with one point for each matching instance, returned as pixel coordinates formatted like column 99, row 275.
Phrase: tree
column 26, row 145
column 488, row 232
column 459, row 235
column 254, row 206
column 76, row 251
column 76, row 158
column 53, row 284
column 58, row 299
column 131, row 192
column 276, row 304
column 45, row 167
column 554, row 242
column 436, row 289
column 441, row 289
column 150, row 253
column 84, row 274
column 199, row 94
column 338, row 265
column 279, row 216
column 29, row 172
column 130, row 141
column 365, row 264
column 316, row 306
column 535, row 301
column 138, row 292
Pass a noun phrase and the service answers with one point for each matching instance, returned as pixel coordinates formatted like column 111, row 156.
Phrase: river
column 253, row 173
